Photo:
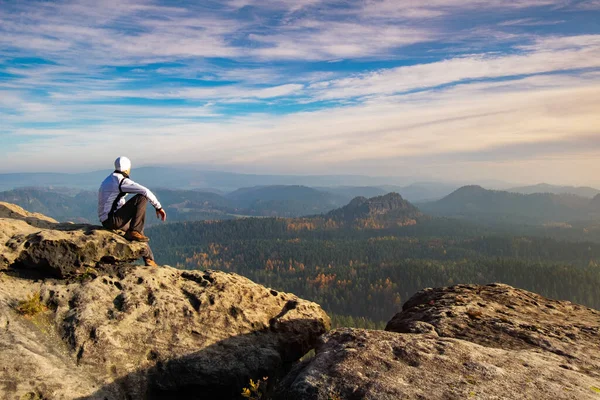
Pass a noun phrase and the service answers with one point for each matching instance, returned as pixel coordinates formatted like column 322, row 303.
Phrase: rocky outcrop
column 378, row 212
column 151, row 333
column 37, row 243
column 501, row 316
column 466, row 341
column 353, row 364
column 120, row 331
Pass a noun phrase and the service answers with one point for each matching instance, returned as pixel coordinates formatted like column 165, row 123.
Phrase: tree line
column 363, row 276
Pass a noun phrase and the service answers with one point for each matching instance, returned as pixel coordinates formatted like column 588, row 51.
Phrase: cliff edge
column 78, row 320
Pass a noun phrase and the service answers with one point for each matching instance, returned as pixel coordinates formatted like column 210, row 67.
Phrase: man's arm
column 129, row 186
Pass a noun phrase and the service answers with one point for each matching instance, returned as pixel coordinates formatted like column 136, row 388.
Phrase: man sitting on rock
column 115, row 213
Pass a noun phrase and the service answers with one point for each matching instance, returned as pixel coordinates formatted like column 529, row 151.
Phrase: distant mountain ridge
column 184, row 205
column 479, row 203
column 583, row 191
column 171, row 177
column 293, row 201
column 350, row 192
column 595, row 203
column 422, row 191
column 284, row 201
column 81, row 207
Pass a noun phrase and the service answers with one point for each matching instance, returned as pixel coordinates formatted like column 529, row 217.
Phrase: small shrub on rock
column 31, row 306
column 256, row 390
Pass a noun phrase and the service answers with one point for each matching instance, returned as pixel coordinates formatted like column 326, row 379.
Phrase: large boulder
column 36, row 243
column 504, row 317
column 355, row 364
column 140, row 332
column 465, row 341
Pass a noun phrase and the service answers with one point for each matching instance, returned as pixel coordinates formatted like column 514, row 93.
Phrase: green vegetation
column 338, row 321
column 31, row 396
column 255, row 390
column 367, row 274
column 31, row 306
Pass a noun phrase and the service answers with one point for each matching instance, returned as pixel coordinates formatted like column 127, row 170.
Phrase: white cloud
column 577, row 52
column 437, row 8
column 375, row 123
column 315, row 40
column 530, row 22
column 434, row 130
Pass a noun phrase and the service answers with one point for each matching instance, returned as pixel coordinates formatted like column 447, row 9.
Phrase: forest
column 362, row 276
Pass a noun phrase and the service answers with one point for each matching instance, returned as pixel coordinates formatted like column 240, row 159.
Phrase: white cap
column 122, row 164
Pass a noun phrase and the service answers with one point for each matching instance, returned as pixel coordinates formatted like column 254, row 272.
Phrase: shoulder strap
column 118, row 198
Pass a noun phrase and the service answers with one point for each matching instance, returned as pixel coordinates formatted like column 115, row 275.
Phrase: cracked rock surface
column 356, row 364
column 460, row 342
column 38, row 244
column 142, row 332
column 502, row 316
column 110, row 330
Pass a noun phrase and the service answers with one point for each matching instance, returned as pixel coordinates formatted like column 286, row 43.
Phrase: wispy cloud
column 302, row 86
column 550, row 55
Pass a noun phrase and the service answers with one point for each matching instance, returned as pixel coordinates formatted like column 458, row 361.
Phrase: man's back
column 108, row 193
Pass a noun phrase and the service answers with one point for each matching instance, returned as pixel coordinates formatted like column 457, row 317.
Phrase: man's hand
column 161, row 214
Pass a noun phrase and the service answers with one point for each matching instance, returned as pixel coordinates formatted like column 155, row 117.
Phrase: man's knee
column 140, row 199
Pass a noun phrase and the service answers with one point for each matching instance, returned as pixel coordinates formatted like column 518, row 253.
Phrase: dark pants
column 130, row 217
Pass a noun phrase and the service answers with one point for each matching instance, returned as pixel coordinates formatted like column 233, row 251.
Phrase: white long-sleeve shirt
column 109, row 192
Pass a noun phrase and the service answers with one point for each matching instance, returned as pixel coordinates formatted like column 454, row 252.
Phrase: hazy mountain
column 182, row 178
column 595, row 204
column 479, row 203
column 285, row 201
column 195, row 178
column 66, row 204
column 350, row 192
column 422, row 191
column 582, row 191
column 388, row 210
column 81, row 207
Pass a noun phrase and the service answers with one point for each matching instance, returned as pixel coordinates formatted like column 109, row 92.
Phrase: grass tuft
column 31, row 306
column 256, row 390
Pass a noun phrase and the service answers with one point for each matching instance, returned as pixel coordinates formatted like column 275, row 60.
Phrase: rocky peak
column 390, row 208
column 106, row 329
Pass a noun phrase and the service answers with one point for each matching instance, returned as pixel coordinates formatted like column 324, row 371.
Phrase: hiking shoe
column 135, row 236
column 150, row 263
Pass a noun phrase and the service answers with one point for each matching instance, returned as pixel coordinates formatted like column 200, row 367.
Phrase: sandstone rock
column 465, row 341
column 13, row 211
column 352, row 364
column 34, row 363
column 162, row 333
column 31, row 241
column 501, row 316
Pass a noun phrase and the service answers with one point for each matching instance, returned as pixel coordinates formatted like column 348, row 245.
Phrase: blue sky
column 451, row 89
